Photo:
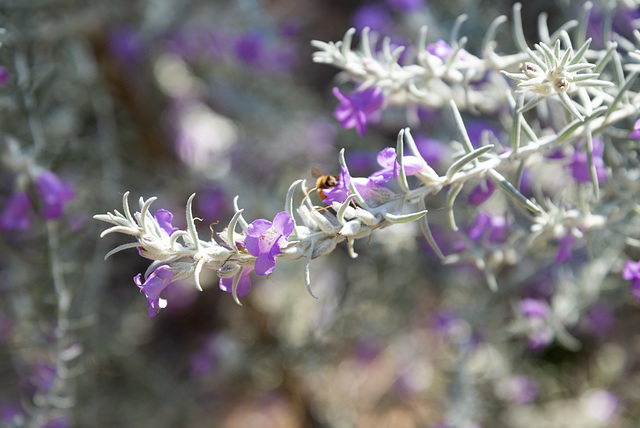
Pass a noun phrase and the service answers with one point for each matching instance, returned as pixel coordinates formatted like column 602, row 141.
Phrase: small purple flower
column 373, row 15
column 265, row 240
column 164, row 218
column 244, row 284
column 636, row 130
column 534, row 308
column 4, row 76
column 536, row 311
column 12, row 415
column 476, row 129
column 341, row 191
column 519, row 389
column 481, row 192
column 564, row 251
column 365, row 186
column 15, row 214
column 494, row 227
column 358, row 108
column 54, row 194
column 406, row 5
column 126, row 45
column 631, row 271
column 579, row 166
column 249, row 47
column 387, row 159
column 432, row 151
column 440, row 49
column 153, row 286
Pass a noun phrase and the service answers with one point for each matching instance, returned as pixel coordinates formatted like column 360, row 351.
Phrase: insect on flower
column 323, row 181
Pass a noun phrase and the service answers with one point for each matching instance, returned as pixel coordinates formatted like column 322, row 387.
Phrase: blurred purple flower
column 534, row 308
column 4, row 76
column 249, row 47
column 579, row 166
column 440, row 49
column 12, row 415
column 564, row 251
column 636, row 130
column 373, row 15
column 153, row 286
column 432, row 151
column 56, row 422
column 265, row 240
column 15, row 214
column 492, row 226
column 521, row 389
column 43, row 377
column 212, row 203
column 601, row 320
column 164, row 218
column 358, row 108
column 631, row 271
column 476, row 128
column 387, row 159
column 406, row 5
column 244, row 284
column 125, row 44
column 481, row 192
column 54, row 194
column 537, row 311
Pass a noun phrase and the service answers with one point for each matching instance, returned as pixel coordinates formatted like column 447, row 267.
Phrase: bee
column 323, row 181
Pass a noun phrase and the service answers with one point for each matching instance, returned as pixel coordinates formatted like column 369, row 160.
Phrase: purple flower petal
column 481, row 192
column 244, row 284
column 15, row 214
column 54, row 194
column 153, row 286
column 164, row 219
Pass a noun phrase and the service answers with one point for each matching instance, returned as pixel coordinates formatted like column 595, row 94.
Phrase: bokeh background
column 169, row 97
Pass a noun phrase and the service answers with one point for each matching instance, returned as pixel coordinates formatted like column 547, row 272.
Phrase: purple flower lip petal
column 244, row 284
column 265, row 240
column 159, row 279
column 481, row 193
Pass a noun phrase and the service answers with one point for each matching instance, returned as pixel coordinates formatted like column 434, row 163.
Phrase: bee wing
column 316, row 172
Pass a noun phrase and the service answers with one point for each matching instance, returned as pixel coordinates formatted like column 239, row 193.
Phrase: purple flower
column 481, row 192
column 373, row 15
column 367, row 188
column 164, row 218
column 636, row 130
column 477, row 128
column 4, row 76
column 358, row 108
column 631, row 271
column 564, row 251
column 534, row 308
column 387, row 159
column 125, row 45
column 432, row 151
column 54, row 194
column 11, row 414
column 406, row 5
column 440, row 49
column 265, row 240
column 249, row 47
column 494, row 227
column 244, row 284
column 536, row 311
column 15, row 214
column 579, row 166
column 153, row 286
